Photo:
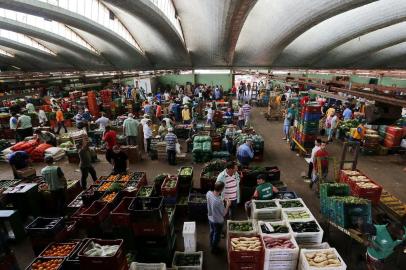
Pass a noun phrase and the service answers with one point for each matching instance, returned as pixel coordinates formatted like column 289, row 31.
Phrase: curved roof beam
column 86, row 18
column 272, row 25
column 385, row 57
column 355, row 49
column 25, row 40
column 165, row 45
column 5, row 53
column 316, row 42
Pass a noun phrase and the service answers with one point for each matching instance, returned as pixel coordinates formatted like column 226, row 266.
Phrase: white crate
column 323, row 245
column 297, row 199
column 304, row 264
column 197, row 267
column 285, row 217
column 280, row 254
column 189, row 236
column 147, row 266
column 280, row 265
column 308, row 237
column 254, row 231
column 274, row 223
column 271, row 213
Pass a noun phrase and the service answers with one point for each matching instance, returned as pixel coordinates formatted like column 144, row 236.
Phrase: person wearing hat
column 171, row 139
column 186, row 115
column 263, row 191
column 130, row 129
column 56, row 181
column 229, row 135
column 245, row 153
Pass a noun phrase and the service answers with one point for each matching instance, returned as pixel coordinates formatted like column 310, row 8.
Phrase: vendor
column 18, row 160
column 381, row 242
column 45, row 137
column 245, row 153
column 263, row 191
column 359, row 133
column 119, row 160
column 57, row 185
column 130, row 129
column 30, row 108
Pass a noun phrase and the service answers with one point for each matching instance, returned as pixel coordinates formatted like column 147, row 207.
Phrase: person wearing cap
column 130, row 129
column 56, row 181
column 186, row 115
column 263, row 191
column 245, row 153
column 171, row 139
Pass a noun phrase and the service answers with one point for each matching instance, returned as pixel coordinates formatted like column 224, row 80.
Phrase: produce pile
column 197, row 199
column 111, row 186
column 246, row 244
column 362, row 186
column 145, row 191
column 217, row 165
column 109, row 197
column 291, row 204
column 113, row 177
column 186, row 171
column 46, row 264
column 77, row 202
column 323, row 258
column 184, row 259
column 265, row 204
column 297, row 214
column 301, row 227
column 269, row 228
column 281, row 243
column 59, row 250
column 240, row 226
column 5, row 184
column 285, row 195
column 170, row 183
column 393, row 203
column 96, row 250
column 202, row 148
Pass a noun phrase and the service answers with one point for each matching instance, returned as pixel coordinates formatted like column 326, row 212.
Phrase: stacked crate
column 393, row 137
column 106, row 99
column 92, row 104
column 371, row 144
column 328, row 190
column 308, row 125
column 169, row 189
column 197, row 206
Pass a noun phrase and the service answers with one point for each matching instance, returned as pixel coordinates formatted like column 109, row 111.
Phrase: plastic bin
column 307, row 237
column 267, row 213
column 279, row 254
column 155, row 213
column 37, row 260
column 176, row 265
column 147, row 266
column 73, row 244
column 197, row 206
column 95, row 214
column 248, row 256
column 46, row 227
column 284, row 203
column 241, row 233
column 120, row 216
column 189, row 236
column 265, row 233
column 185, row 178
column 167, row 191
column 72, row 262
column 304, row 264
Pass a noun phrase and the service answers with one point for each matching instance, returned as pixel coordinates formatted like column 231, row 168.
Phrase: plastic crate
column 279, row 254
column 245, row 266
column 254, row 230
column 307, row 237
column 154, row 228
column 336, row 189
column 185, row 178
column 74, row 244
column 268, row 213
column 46, row 227
column 95, row 214
column 77, row 202
column 170, row 192
column 120, row 216
column 373, row 194
column 194, row 267
column 304, row 264
column 264, row 233
column 249, row 177
column 155, row 213
column 296, row 210
column 248, row 256
column 197, row 210
column 147, row 266
column 90, row 195
column 280, row 265
column 143, row 190
column 161, row 254
column 46, row 260
column 72, row 262
column 312, row 109
column 283, row 195
column 117, row 261
column 283, row 205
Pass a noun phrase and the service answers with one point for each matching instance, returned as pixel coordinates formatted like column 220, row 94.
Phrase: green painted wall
column 386, row 81
column 211, row 79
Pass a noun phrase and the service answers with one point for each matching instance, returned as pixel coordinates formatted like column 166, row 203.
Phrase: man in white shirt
column 147, row 135
column 316, row 148
column 103, row 122
column 209, row 115
column 185, row 100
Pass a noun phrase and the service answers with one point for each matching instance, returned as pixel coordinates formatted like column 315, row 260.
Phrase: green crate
column 334, row 189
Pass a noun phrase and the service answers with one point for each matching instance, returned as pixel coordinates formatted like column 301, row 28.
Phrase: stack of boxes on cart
column 308, row 125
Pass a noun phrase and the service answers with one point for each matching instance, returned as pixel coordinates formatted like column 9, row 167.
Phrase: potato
column 319, row 259
column 333, row 261
column 310, row 255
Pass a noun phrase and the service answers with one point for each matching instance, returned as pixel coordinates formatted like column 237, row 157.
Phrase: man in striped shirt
column 171, row 141
column 247, row 112
column 231, row 180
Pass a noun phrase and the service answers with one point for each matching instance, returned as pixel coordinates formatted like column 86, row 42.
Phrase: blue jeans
column 286, row 130
column 215, row 233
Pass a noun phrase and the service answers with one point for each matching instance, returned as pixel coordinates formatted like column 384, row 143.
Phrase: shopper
column 245, row 153
column 148, row 108
column 110, row 138
column 210, row 114
column 130, row 129
column 229, row 116
column 147, row 129
column 286, row 123
column 42, row 118
column 30, row 107
column 241, row 118
column 162, row 130
column 231, row 180
column 263, row 191
column 18, row 160
column 24, row 126
column 247, row 113
column 60, row 121
column 45, row 137
column 316, row 148
column 79, row 119
column 85, row 164
column 171, row 140
column 57, row 185
column 333, row 127
column 186, row 115
column 103, row 122
column 119, row 160
column 347, row 114
column 158, row 113
column 13, row 125
column 320, row 163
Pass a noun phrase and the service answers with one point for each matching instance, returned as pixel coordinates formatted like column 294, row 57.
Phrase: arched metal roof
column 172, row 34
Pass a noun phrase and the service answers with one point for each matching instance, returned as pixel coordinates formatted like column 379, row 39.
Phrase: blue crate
column 312, row 116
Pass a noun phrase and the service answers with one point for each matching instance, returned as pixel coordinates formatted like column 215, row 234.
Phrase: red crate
column 245, row 266
column 73, row 243
column 120, row 216
column 117, row 261
column 344, row 178
column 244, row 256
column 157, row 228
column 170, row 192
column 45, row 260
column 311, row 109
column 373, row 194
column 95, row 214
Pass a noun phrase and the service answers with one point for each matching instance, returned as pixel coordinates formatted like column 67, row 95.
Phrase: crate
column 263, row 233
column 72, row 262
column 117, row 261
column 245, row 266
column 120, row 216
column 284, row 195
column 278, row 254
column 248, row 256
column 249, row 178
column 304, row 264
column 151, row 241
column 197, row 210
column 281, row 203
column 312, row 109
column 335, row 189
column 95, row 214
column 280, row 265
column 240, row 233
column 296, row 210
column 45, row 227
column 373, row 194
column 90, row 195
column 307, row 237
column 170, row 192
column 161, row 254
column 142, row 189
column 185, row 178
column 75, row 245
column 152, row 228
column 270, row 213
column 45, row 260
column 147, row 266
column 180, row 267
column 156, row 212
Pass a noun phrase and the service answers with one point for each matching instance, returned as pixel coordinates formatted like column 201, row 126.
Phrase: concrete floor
column 386, row 170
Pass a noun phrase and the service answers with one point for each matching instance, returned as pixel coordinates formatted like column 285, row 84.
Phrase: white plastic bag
column 178, row 148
